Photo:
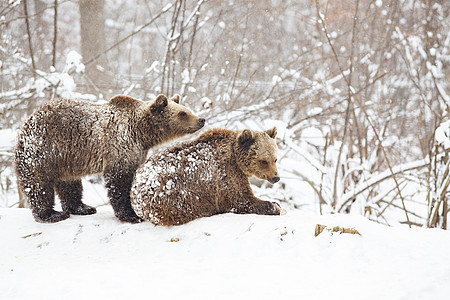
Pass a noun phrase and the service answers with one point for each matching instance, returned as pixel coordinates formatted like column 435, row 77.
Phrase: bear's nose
column 201, row 121
column 275, row 179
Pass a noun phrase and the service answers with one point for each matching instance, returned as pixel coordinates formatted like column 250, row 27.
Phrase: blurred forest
column 359, row 89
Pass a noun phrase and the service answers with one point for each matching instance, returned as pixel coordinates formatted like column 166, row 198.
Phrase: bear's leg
column 42, row 199
column 118, row 185
column 251, row 205
column 70, row 193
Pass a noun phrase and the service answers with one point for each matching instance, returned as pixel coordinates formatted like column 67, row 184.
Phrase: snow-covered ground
column 221, row 257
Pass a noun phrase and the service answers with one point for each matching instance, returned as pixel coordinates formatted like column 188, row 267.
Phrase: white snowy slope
column 222, row 257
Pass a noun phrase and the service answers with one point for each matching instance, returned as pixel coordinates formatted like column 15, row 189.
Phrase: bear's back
column 178, row 179
column 60, row 118
column 190, row 165
column 67, row 133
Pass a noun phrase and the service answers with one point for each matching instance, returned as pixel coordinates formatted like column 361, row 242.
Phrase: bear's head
column 174, row 119
column 257, row 154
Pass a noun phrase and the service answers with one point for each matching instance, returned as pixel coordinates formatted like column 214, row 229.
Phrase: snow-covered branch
column 376, row 179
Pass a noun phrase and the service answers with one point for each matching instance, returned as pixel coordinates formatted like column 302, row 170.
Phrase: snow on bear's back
column 179, row 170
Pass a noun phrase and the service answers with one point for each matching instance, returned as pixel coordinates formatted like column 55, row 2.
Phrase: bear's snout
column 201, row 122
column 275, row 179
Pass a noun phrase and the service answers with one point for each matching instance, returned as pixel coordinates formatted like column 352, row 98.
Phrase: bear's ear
column 124, row 102
column 272, row 132
column 246, row 138
column 159, row 104
column 176, row 98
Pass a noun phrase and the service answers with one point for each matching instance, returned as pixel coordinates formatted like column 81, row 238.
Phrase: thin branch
column 189, row 19
column 55, row 33
column 441, row 194
column 324, row 28
column 130, row 64
column 191, row 46
column 311, row 183
column 390, row 202
column 238, row 65
column 322, row 175
column 35, row 72
column 349, row 196
column 163, row 11
column 27, row 22
column 189, row 61
column 165, row 65
column 409, row 212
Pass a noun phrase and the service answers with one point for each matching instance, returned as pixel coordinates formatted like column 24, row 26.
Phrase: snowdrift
column 221, row 257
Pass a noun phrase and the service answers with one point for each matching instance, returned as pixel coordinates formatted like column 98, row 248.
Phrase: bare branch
column 30, row 45
column 163, row 11
column 55, row 33
column 349, row 196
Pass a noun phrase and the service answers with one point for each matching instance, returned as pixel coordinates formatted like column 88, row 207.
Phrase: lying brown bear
column 205, row 177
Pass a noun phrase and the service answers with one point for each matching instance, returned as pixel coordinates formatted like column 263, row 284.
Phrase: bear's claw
column 279, row 209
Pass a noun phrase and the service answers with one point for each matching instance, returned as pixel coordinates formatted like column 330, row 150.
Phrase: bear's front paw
column 278, row 209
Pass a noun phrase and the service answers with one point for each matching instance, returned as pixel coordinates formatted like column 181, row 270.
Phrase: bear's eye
column 276, row 160
column 264, row 162
column 182, row 114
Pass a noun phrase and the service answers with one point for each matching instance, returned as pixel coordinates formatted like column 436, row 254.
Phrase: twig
column 189, row 61
column 130, row 65
column 27, row 22
column 86, row 77
column 347, row 197
column 194, row 33
column 189, row 19
column 55, row 32
column 20, row 17
column 378, row 198
column 390, row 202
column 322, row 22
column 322, row 175
column 39, row 73
column 304, row 178
column 411, row 223
column 165, row 65
column 400, row 207
column 163, row 11
column 445, row 182
column 241, row 53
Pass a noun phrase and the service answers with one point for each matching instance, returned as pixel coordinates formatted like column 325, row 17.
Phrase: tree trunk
column 93, row 41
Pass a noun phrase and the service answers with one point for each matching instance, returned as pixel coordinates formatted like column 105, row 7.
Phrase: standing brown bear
column 65, row 140
column 206, row 176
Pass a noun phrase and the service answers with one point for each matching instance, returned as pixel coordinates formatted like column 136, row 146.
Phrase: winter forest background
column 358, row 88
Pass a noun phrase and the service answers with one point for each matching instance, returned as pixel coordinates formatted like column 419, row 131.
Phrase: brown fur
column 65, row 140
column 205, row 177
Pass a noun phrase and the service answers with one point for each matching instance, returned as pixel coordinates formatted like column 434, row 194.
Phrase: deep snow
column 221, row 257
